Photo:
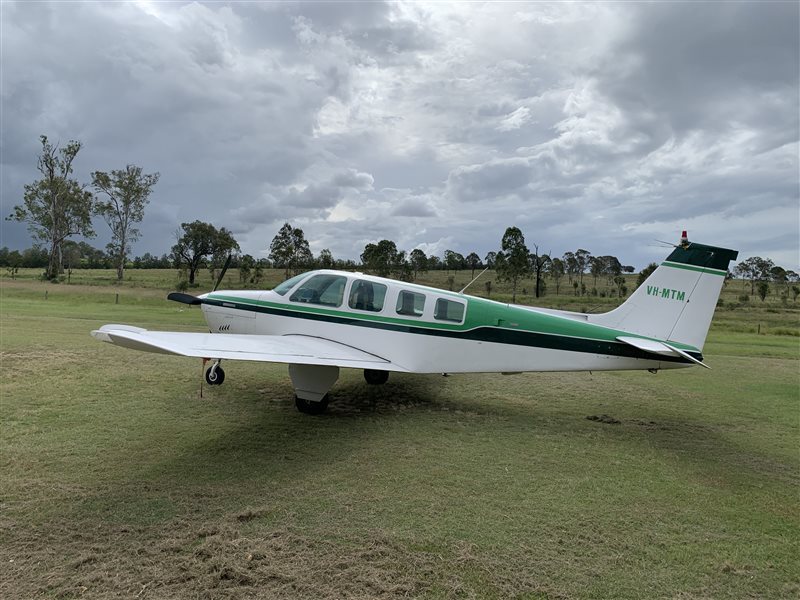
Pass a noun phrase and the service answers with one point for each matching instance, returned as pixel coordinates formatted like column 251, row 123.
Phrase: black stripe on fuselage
column 497, row 335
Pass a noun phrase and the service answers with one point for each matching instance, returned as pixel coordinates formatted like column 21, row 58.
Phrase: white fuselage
column 427, row 348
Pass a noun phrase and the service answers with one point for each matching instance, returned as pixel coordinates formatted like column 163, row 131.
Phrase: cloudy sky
column 603, row 126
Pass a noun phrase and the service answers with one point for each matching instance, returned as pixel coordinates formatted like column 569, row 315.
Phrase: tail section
column 676, row 303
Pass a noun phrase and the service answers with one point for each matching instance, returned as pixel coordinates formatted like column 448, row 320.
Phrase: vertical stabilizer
column 676, row 303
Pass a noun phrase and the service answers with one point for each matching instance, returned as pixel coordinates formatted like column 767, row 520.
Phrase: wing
column 293, row 349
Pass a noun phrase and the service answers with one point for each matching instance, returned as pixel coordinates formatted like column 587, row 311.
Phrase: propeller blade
column 222, row 273
column 184, row 298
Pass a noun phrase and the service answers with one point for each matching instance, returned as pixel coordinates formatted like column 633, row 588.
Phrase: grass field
column 119, row 481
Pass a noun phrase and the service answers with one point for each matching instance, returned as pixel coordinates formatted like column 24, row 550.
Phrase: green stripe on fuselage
column 486, row 320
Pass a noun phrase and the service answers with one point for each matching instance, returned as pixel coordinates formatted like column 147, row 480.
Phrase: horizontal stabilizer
column 655, row 347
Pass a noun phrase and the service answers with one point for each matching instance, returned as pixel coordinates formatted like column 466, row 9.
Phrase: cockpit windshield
column 284, row 287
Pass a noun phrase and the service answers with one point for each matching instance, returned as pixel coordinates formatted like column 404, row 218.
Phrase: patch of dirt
column 217, row 559
column 604, row 419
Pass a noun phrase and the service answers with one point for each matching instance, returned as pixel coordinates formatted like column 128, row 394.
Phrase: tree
column 94, row 257
column 289, row 249
column 380, row 258
column 755, row 269
column 199, row 241
column 71, row 257
column 582, row 258
column 246, row 265
column 13, row 260
column 570, row 265
column 645, row 273
column 490, row 258
column 402, row 267
column 56, row 206
column 473, row 261
column 453, row 260
column 557, row 272
column 512, row 261
column 128, row 193
column 622, row 289
column 763, row 290
column 538, row 264
column 258, row 271
column 595, row 267
column 35, row 257
column 325, row 259
column 418, row 260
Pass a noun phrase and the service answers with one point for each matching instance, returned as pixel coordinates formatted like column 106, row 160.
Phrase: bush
column 182, row 285
column 744, row 298
column 786, row 331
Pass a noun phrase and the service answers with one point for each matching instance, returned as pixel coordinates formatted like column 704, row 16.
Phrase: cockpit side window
column 327, row 290
column 366, row 295
column 448, row 310
column 410, row 304
column 284, row 287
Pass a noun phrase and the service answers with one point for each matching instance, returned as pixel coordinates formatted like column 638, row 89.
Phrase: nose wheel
column 215, row 375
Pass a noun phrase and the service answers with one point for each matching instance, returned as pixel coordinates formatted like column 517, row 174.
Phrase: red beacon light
column 684, row 238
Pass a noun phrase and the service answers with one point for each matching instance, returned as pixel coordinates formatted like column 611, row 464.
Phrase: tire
column 311, row 408
column 215, row 377
column 375, row 376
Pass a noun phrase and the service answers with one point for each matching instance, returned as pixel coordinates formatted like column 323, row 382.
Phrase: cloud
column 413, row 207
column 515, row 120
column 493, row 179
column 421, row 122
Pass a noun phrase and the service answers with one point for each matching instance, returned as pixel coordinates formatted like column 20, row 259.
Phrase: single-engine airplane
column 324, row 320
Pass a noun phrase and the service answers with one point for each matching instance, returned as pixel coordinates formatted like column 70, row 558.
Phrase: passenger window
column 447, row 310
column 410, row 304
column 366, row 295
column 327, row 290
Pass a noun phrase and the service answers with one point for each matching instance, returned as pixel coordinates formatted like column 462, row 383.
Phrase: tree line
column 57, row 207
column 202, row 246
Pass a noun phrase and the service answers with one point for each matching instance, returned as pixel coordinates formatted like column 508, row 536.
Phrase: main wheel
column 311, row 408
column 376, row 377
column 215, row 376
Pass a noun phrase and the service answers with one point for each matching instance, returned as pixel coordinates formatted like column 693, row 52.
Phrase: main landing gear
column 311, row 383
column 214, row 374
column 309, row 407
column 375, row 376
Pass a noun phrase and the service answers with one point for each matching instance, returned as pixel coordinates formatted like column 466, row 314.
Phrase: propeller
column 194, row 300
column 184, row 298
column 222, row 273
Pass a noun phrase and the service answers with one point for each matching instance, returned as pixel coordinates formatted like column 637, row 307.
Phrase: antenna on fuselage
column 474, row 280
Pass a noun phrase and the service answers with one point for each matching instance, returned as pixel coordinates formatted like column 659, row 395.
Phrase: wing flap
column 292, row 349
column 655, row 347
